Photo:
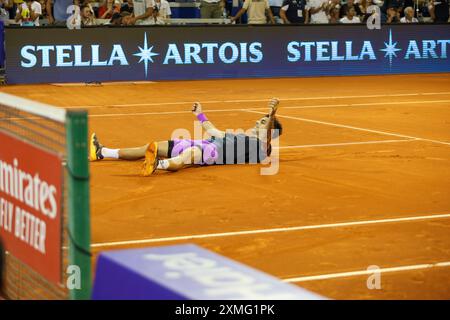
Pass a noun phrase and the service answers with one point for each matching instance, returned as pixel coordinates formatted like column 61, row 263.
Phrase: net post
column 79, row 215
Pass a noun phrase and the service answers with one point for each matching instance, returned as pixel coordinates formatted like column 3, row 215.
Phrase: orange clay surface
column 361, row 149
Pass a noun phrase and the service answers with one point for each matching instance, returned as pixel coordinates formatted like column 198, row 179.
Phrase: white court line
column 367, row 272
column 132, row 114
column 271, row 230
column 156, row 113
column 261, row 100
column 344, row 144
column 362, row 104
column 353, row 128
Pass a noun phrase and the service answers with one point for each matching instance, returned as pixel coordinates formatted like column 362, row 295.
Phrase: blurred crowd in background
column 84, row 13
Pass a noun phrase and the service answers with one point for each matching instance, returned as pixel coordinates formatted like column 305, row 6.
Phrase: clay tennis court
column 364, row 178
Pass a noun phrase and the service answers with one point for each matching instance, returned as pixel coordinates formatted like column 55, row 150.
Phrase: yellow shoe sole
column 92, row 151
column 150, row 159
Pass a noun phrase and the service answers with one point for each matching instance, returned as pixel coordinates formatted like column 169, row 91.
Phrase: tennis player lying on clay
column 221, row 148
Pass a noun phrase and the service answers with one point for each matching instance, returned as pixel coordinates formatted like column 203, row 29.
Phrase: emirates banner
column 30, row 205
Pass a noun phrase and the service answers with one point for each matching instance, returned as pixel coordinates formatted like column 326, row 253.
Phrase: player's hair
column 277, row 127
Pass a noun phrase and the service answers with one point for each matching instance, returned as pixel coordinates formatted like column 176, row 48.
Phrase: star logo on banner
column 390, row 48
column 146, row 54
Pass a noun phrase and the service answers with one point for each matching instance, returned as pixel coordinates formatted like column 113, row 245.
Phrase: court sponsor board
column 180, row 53
column 30, row 205
column 185, row 272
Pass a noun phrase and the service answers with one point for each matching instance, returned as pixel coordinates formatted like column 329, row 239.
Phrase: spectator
column 127, row 19
column 4, row 10
column 10, row 7
column 363, row 6
column 162, row 11
column 409, row 16
column 393, row 16
column 211, row 9
column 108, row 8
column 4, row 3
column 275, row 7
column 59, row 13
column 333, row 14
column 118, row 19
column 294, row 11
column 127, row 6
column 89, row 5
column 439, row 10
column 317, row 11
column 43, row 9
column 87, row 16
column 350, row 16
column 28, row 13
column 393, row 9
column 256, row 12
column 143, row 12
column 332, row 6
column 345, row 6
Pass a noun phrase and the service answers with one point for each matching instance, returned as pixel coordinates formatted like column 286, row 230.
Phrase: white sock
column 163, row 164
column 110, row 153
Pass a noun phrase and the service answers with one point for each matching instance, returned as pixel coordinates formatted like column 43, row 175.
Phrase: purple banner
column 186, row 272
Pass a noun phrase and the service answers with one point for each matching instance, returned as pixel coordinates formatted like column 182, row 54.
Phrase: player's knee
column 196, row 156
column 191, row 156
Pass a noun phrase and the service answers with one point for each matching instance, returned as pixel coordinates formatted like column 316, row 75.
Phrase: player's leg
column 139, row 152
column 99, row 152
column 189, row 157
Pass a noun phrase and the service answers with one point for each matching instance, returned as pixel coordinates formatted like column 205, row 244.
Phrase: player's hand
column 273, row 105
column 197, row 108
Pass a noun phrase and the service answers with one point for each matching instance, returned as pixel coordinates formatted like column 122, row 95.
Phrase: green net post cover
column 79, row 221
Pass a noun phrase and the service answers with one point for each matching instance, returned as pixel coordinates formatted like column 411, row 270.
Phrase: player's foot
column 95, row 148
column 151, row 160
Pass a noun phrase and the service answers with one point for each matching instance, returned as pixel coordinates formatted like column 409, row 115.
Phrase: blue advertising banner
column 197, row 52
column 185, row 272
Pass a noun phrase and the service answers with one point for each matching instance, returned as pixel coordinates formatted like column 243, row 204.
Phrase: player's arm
column 273, row 105
column 206, row 124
